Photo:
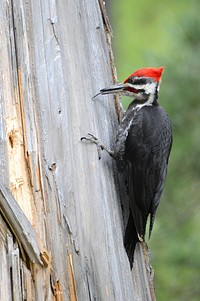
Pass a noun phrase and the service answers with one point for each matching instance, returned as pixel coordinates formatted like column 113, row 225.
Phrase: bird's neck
column 151, row 100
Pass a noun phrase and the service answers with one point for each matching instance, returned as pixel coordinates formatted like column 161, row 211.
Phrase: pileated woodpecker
column 142, row 146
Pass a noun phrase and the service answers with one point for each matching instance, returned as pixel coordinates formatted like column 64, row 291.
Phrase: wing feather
column 147, row 149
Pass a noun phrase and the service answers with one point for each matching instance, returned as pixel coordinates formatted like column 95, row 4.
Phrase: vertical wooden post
column 54, row 57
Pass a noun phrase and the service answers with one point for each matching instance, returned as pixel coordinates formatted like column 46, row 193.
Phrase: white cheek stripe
column 148, row 103
column 128, row 127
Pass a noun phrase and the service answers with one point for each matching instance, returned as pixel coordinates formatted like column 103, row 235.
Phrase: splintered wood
column 72, row 287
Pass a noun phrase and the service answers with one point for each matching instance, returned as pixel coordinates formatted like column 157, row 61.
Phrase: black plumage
column 145, row 152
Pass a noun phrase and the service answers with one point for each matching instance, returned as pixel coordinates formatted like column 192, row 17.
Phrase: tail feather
column 152, row 218
column 130, row 239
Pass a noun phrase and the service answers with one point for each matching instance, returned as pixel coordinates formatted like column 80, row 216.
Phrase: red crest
column 152, row 72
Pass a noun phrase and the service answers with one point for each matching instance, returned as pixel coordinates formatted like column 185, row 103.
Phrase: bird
column 142, row 148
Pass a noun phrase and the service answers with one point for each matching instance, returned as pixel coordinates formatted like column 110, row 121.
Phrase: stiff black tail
column 130, row 239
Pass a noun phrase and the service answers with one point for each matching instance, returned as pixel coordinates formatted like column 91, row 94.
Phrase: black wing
column 147, row 149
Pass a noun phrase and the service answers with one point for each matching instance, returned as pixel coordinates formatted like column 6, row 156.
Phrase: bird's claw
column 100, row 146
column 94, row 139
column 89, row 137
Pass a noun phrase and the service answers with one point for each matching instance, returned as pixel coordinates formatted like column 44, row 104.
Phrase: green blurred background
column 167, row 33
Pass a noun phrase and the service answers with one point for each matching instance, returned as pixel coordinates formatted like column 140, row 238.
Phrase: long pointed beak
column 112, row 89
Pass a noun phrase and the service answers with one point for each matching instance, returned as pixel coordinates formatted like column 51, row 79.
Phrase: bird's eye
column 138, row 81
column 130, row 80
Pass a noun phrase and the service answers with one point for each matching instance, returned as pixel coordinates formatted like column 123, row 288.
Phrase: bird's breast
column 143, row 131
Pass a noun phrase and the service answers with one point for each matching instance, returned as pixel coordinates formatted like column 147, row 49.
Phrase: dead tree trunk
column 61, row 223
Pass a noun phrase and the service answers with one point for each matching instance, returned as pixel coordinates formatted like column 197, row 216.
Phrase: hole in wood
column 11, row 140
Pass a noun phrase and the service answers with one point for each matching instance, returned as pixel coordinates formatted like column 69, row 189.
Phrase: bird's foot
column 100, row 146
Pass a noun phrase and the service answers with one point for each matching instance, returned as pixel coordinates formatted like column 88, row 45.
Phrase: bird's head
column 142, row 85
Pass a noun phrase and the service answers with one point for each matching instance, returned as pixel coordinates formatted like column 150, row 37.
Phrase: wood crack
column 53, row 21
column 108, row 31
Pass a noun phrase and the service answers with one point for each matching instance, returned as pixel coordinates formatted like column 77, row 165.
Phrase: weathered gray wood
column 5, row 277
column 27, row 284
column 56, row 56
column 16, row 281
column 16, row 273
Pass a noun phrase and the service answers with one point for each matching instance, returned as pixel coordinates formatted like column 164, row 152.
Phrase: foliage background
column 167, row 33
